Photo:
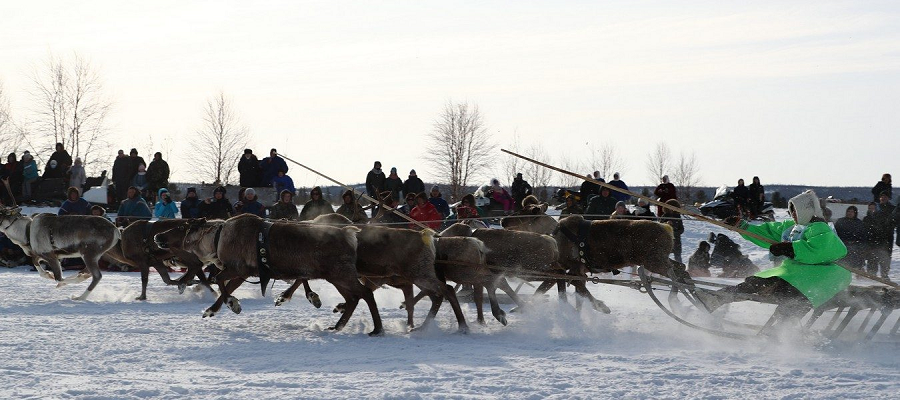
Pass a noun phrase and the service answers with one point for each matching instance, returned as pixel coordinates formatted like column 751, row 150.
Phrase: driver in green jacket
column 808, row 277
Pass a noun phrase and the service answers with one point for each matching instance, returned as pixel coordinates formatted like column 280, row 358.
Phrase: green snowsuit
column 812, row 271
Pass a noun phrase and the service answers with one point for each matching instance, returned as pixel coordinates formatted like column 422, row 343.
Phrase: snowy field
column 112, row 346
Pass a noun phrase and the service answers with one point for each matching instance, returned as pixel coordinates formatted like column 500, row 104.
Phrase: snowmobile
column 722, row 206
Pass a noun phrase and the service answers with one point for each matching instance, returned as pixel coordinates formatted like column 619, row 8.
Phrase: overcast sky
column 795, row 92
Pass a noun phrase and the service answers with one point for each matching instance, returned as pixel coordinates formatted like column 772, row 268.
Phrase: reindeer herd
column 355, row 259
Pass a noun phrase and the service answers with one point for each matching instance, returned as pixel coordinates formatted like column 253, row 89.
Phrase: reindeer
column 532, row 218
column 400, row 258
column 293, row 251
column 47, row 237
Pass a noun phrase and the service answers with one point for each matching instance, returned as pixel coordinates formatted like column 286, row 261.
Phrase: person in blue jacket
column 621, row 185
column 165, row 207
column 438, row 202
column 270, row 167
column 283, row 182
column 134, row 207
column 74, row 204
column 190, row 206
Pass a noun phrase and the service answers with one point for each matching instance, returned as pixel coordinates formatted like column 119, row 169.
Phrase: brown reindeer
column 532, row 218
column 137, row 248
column 605, row 246
column 50, row 238
column 525, row 254
column 401, row 258
column 294, row 251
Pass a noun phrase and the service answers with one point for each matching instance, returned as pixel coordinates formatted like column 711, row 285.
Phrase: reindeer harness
column 581, row 240
column 263, row 254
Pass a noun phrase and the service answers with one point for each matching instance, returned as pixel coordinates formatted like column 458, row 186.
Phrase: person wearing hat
column 572, row 207
column 121, row 175
column 425, row 213
column 270, row 167
column 190, row 206
column 284, row 208
column 53, row 171
column 249, row 169
column 394, row 184
column 880, row 229
column 133, row 207
column 600, row 207
column 808, row 277
column 283, row 182
column 643, row 211
column 438, row 201
column 74, row 204
column 250, row 204
column 519, row 189
column 413, row 184
column 852, row 232
column 410, row 203
column 77, row 176
column 29, row 174
column 316, row 205
column 351, row 209
column 165, row 207
column 621, row 211
column 216, row 207
column 134, row 161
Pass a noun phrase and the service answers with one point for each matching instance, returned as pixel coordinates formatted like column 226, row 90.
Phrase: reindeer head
column 188, row 232
column 10, row 213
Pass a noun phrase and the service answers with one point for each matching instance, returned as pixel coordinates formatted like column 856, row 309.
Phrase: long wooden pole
column 694, row 215
column 363, row 195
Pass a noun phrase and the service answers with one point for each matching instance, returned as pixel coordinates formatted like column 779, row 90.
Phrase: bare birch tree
column 70, row 108
column 686, row 175
column 536, row 175
column 222, row 139
column 10, row 134
column 658, row 162
column 607, row 160
column 569, row 181
column 460, row 145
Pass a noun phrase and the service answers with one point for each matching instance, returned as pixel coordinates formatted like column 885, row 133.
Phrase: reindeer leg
column 56, row 268
column 435, row 306
column 227, row 287
column 286, row 295
column 502, row 284
column 358, row 291
column 409, row 303
column 415, row 300
column 351, row 299
column 582, row 290
column 495, row 305
column 561, row 289
column 36, row 262
column 313, row 297
column 91, row 263
column 450, row 295
column 479, row 302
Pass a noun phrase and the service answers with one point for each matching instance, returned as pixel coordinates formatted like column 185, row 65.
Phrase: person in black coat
column 741, row 196
column 852, row 232
column 249, row 169
column 589, row 189
column 270, row 167
column 673, row 219
column 121, row 175
column 190, row 206
column 394, row 184
column 216, row 207
column 519, row 189
column 884, row 185
column 880, row 236
column 62, row 158
column 757, row 196
column 413, row 184
column 134, row 161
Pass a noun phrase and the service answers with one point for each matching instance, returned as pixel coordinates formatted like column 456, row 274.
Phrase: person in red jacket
column 665, row 191
column 425, row 212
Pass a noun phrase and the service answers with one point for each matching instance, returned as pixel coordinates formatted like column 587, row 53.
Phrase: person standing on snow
column 520, row 189
column 270, row 167
column 157, row 174
column 77, row 176
column 884, row 185
column 121, row 175
column 852, row 232
column 808, row 277
column 621, row 185
column 665, row 191
column 395, row 184
column 880, row 226
column 249, row 169
column 757, row 197
column 741, row 196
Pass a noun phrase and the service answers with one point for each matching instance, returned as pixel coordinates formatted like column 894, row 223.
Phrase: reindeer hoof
column 182, row 287
column 281, row 300
column 481, row 322
column 209, row 313
column 47, row 275
column 402, row 305
column 313, row 298
column 60, row 284
column 600, row 306
column 338, row 308
column 463, row 330
column 377, row 332
column 141, row 298
column 234, row 305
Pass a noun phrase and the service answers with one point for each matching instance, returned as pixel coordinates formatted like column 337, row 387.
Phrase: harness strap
column 581, row 239
column 218, row 235
column 28, row 234
column 263, row 255
column 49, row 235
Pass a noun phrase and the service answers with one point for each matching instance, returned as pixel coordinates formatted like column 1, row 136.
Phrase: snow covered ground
column 112, row 346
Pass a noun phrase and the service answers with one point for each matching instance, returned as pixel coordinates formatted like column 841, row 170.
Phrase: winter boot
column 713, row 300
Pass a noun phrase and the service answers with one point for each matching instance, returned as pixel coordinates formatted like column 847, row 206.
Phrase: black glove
column 782, row 249
column 733, row 220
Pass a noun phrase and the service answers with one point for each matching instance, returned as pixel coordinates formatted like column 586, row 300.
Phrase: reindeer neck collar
column 27, row 229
